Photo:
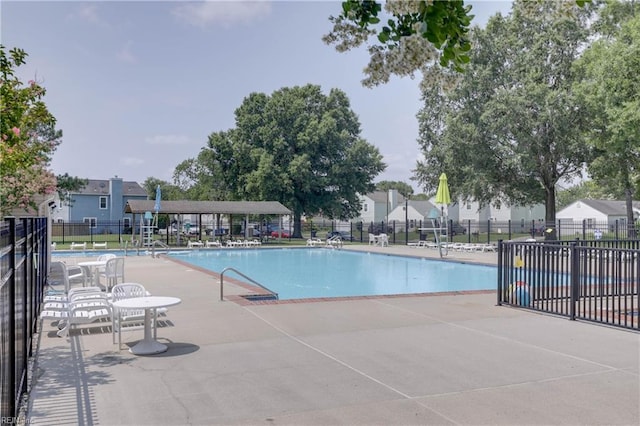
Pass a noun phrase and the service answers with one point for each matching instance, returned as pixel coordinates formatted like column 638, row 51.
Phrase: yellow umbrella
column 442, row 195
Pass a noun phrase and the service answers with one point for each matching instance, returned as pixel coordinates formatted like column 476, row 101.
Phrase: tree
column 167, row 190
column 403, row 188
column 29, row 137
column 414, row 35
column 508, row 131
column 610, row 88
column 297, row 146
column 418, row 35
column 67, row 184
column 588, row 189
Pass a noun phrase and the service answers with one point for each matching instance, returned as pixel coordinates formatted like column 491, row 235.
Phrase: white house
column 417, row 212
column 377, row 205
column 594, row 214
column 470, row 211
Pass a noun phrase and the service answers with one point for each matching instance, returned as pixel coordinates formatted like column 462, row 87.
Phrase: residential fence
column 23, row 266
column 596, row 280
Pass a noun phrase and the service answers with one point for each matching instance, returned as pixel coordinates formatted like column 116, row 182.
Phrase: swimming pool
column 318, row 272
column 96, row 253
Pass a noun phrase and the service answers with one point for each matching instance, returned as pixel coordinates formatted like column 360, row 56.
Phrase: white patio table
column 94, row 269
column 148, row 345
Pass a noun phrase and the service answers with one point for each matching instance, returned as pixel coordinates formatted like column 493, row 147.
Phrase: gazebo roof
column 207, row 207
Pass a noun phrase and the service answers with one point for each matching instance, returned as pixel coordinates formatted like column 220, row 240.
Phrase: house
column 594, row 214
column 377, row 205
column 417, row 212
column 100, row 204
column 471, row 212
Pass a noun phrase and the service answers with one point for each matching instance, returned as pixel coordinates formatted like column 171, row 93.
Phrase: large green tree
column 168, row 191
column 402, row 187
column 509, row 131
column 28, row 137
column 610, row 89
column 297, row 146
column 410, row 36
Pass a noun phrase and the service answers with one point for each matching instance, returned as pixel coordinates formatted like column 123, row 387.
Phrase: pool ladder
column 272, row 294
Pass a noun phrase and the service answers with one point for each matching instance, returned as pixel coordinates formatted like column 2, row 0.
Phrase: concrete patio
column 439, row 359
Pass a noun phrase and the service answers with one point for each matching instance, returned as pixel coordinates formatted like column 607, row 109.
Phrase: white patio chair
column 61, row 277
column 373, row 240
column 113, row 272
column 383, row 240
column 128, row 319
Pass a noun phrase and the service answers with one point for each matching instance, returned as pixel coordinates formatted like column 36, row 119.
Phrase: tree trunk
column 550, row 214
column 297, row 225
column 631, row 226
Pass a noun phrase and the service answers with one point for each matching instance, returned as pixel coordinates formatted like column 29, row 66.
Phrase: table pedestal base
column 148, row 347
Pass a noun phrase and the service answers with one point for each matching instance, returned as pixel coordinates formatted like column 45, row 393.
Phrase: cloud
column 131, row 161
column 225, row 13
column 88, row 12
column 167, row 140
column 126, row 55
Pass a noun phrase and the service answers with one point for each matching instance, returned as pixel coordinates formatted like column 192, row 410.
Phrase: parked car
column 192, row 230
column 457, row 229
column 344, row 235
column 276, row 233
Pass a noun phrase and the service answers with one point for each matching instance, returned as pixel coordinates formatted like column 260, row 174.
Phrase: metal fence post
column 575, row 280
column 500, row 271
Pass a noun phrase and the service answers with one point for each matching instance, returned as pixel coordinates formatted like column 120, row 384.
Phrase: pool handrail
column 245, row 277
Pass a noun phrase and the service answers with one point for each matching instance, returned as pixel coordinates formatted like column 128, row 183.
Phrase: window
column 103, row 203
column 366, row 207
column 92, row 221
column 127, row 222
column 468, row 206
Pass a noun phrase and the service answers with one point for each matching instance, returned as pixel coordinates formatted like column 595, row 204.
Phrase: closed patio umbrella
column 156, row 206
column 442, row 195
column 443, row 198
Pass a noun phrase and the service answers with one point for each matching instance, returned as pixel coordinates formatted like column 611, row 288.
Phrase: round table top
column 92, row 263
column 147, row 302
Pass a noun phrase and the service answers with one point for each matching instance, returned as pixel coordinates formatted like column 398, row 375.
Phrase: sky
column 137, row 87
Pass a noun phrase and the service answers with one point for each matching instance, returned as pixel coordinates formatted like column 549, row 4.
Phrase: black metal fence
column 489, row 231
column 23, row 266
column 596, row 281
column 98, row 232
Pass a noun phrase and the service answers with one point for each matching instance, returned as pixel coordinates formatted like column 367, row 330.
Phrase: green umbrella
column 442, row 195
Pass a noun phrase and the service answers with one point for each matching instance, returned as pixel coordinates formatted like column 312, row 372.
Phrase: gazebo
column 180, row 207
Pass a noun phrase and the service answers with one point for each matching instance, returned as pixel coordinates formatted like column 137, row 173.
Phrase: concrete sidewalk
column 445, row 359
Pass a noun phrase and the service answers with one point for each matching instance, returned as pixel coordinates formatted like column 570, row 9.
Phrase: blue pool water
column 310, row 273
column 96, row 253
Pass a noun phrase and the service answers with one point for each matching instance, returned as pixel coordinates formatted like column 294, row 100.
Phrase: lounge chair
column 312, row 242
column 78, row 313
column 88, row 295
column 195, row 244
column 213, row 244
column 75, row 246
column 100, row 245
